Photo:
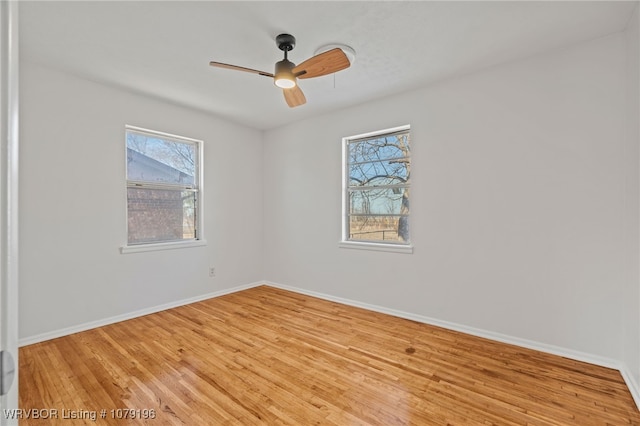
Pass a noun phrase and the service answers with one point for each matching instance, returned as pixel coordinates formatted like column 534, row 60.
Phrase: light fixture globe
column 285, row 82
column 283, row 76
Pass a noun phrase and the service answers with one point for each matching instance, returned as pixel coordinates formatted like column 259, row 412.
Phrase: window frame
column 345, row 241
column 197, row 188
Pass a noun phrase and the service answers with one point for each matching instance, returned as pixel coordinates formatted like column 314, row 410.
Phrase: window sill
column 162, row 246
column 393, row 248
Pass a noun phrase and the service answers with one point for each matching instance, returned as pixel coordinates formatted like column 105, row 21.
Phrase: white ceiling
column 162, row 48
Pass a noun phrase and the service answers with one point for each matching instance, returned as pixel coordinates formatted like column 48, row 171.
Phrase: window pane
column 380, row 148
column 152, row 159
column 388, row 172
column 379, row 228
column 157, row 215
column 378, row 201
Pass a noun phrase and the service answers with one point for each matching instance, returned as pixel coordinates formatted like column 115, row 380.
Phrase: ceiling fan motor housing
column 284, row 66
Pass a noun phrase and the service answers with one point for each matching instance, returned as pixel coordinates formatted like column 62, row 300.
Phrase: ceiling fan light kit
column 332, row 59
column 284, row 80
column 284, row 77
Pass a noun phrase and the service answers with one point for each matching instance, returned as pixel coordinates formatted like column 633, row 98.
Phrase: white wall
column 73, row 205
column 518, row 194
column 632, row 213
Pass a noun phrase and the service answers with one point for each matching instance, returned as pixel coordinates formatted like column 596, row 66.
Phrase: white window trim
column 365, row 245
column 393, row 248
column 170, row 245
column 162, row 246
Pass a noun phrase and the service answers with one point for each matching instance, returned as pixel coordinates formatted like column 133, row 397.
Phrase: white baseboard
column 632, row 384
column 634, row 389
column 118, row 318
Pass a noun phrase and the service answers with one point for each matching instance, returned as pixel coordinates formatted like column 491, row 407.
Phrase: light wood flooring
column 266, row 356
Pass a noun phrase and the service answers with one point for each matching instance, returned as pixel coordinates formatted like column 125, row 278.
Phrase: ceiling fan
column 286, row 72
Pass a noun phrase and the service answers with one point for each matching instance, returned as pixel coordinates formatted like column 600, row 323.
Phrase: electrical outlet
column 212, row 272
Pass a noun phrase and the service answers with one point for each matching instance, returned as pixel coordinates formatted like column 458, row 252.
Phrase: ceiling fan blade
column 331, row 61
column 294, row 96
column 237, row 68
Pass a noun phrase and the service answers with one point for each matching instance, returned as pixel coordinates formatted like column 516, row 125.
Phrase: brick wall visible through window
column 156, row 216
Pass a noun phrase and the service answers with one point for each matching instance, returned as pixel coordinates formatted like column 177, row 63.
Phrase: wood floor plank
column 266, row 356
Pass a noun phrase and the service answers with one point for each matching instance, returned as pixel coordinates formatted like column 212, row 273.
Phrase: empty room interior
column 336, row 213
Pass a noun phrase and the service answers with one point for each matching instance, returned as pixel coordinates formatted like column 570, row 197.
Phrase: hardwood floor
column 265, row 356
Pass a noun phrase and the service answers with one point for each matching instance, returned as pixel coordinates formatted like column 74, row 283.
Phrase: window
column 376, row 186
column 163, row 187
